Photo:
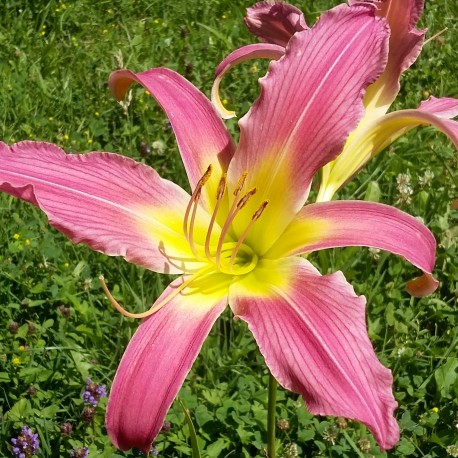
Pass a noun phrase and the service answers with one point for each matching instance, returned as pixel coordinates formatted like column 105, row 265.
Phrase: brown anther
column 205, row 176
column 221, row 187
column 240, row 183
column 242, row 202
column 259, row 211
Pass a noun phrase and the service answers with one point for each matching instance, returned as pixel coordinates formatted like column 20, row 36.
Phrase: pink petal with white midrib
column 101, row 199
column 310, row 100
column 314, row 340
column 201, row 135
column 358, row 223
column 154, row 366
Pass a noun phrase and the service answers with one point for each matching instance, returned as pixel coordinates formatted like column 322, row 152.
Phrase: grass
column 55, row 59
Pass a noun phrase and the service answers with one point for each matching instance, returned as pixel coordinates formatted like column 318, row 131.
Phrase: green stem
column 192, row 431
column 271, row 409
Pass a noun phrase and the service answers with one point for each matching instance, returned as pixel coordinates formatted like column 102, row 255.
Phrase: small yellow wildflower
column 147, row 92
column 89, row 140
column 16, row 361
column 97, row 113
column 43, row 33
column 109, row 11
column 27, row 242
column 21, row 347
column 51, row 118
column 225, row 101
column 223, row 16
column 66, row 137
column 105, row 31
column 435, row 409
column 66, row 265
column 16, row 236
column 426, row 94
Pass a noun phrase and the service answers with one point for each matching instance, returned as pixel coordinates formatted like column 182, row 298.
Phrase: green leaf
column 20, row 410
column 446, row 376
column 373, row 192
column 405, row 447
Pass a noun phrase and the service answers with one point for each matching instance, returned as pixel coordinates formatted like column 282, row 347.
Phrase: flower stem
column 271, row 408
column 192, row 431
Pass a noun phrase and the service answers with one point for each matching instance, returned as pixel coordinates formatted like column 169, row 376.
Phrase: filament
column 236, row 207
column 219, row 195
column 155, row 307
column 193, row 203
column 254, row 218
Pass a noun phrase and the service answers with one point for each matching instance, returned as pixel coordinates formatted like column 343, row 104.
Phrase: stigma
column 229, row 256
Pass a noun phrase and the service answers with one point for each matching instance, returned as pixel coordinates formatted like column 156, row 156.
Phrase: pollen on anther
column 240, row 183
column 242, row 202
column 221, row 187
column 259, row 211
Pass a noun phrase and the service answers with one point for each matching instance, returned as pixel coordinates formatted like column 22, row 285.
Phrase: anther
column 221, row 187
column 243, row 201
column 259, row 211
column 240, row 183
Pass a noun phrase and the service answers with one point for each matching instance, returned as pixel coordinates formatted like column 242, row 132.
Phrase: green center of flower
column 228, row 256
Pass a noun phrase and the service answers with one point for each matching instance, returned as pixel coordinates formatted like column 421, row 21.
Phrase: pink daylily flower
column 238, row 238
column 274, row 22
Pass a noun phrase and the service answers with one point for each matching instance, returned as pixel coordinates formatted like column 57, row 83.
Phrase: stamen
column 257, row 214
column 157, row 306
column 230, row 217
column 193, row 201
column 240, row 183
column 243, row 201
column 219, row 195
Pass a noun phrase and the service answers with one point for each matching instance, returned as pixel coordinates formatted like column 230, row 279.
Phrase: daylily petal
column 405, row 45
column 274, row 22
column 371, row 138
column 201, row 135
column 310, row 100
column 157, row 360
column 312, row 334
column 444, row 107
column 257, row 51
column 107, row 201
column 358, row 223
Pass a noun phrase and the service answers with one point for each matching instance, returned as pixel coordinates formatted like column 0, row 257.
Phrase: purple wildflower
column 26, row 444
column 93, row 392
column 80, row 452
